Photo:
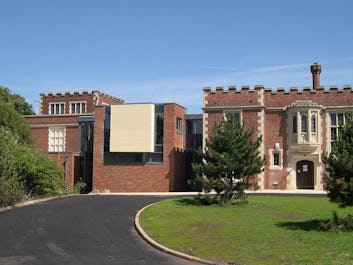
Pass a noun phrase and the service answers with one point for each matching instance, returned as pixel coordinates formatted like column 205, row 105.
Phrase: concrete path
column 78, row 230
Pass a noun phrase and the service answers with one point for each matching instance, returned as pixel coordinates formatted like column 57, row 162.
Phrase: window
column 178, row 124
column 56, row 139
column 276, row 159
column 313, row 123
column 337, row 120
column 56, row 108
column 294, row 124
column 304, row 123
column 77, row 107
column 234, row 115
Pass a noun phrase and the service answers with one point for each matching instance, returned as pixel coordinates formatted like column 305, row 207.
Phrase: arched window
column 294, row 124
column 313, row 123
column 304, row 123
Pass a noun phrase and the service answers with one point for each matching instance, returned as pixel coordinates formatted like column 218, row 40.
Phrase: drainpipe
column 65, row 168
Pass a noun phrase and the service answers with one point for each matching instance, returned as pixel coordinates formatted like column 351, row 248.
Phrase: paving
column 79, row 230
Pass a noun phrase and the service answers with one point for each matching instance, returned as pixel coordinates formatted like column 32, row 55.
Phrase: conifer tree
column 230, row 161
column 338, row 179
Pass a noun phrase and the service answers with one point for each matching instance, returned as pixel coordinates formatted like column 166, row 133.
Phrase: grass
column 267, row 230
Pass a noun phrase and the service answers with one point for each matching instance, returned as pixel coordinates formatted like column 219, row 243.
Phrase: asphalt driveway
column 78, row 230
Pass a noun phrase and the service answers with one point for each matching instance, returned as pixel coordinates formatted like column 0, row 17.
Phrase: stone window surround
column 60, row 104
column 56, row 143
column 238, row 111
column 279, row 151
column 78, row 102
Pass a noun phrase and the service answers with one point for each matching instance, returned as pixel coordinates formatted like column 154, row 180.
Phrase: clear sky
column 168, row 50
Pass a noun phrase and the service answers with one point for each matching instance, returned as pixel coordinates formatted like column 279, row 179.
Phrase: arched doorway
column 305, row 174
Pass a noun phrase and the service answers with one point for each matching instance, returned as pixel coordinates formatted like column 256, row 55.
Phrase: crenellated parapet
column 79, row 94
column 234, row 89
column 88, row 101
column 258, row 95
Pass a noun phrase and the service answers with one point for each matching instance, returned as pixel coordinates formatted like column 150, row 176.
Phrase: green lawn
column 267, row 230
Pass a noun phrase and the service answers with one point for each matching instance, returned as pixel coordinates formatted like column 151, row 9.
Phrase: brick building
column 112, row 146
column 296, row 126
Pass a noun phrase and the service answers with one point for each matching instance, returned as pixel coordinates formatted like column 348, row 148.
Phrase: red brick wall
column 89, row 97
column 243, row 97
column 275, row 130
column 332, row 97
column 140, row 177
column 72, row 166
column 67, row 98
column 40, row 130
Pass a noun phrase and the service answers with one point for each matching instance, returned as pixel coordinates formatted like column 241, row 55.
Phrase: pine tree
column 338, row 179
column 230, row 161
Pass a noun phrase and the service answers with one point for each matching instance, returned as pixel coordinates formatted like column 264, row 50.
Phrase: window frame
column 57, row 143
column 179, row 126
column 336, row 126
column 57, row 108
column 272, row 153
column 81, row 104
column 238, row 113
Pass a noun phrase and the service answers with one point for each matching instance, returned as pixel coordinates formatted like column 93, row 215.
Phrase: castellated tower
column 296, row 125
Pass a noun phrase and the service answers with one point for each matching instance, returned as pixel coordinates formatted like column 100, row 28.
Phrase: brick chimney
column 316, row 71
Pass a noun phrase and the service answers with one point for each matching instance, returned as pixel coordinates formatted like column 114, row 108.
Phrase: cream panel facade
column 132, row 128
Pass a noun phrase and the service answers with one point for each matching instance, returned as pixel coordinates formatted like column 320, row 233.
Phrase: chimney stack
column 316, row 71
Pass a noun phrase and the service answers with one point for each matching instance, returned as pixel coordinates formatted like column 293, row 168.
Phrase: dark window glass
column 333, row 134
column 313, row 124
column 236, row 117
column 159, row 128
column 198, row 125
column 276, row 159
column 304, row 124
column 178, row 125
column 340, row 119
column 333, row 119
column 295, row 124
column 159, row 108
column 189, row 127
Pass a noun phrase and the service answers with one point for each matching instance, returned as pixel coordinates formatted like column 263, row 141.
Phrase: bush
column 10, row 191
column 39, row 173
column 25, row 171
column 344, row 224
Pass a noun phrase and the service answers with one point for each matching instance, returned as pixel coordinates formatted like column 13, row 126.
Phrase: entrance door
column 305, row 174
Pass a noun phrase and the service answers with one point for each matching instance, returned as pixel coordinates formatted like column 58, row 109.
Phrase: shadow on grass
column 186, row 201
column 310, row 225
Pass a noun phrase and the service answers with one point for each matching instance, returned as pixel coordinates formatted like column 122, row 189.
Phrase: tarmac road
column 78, row 230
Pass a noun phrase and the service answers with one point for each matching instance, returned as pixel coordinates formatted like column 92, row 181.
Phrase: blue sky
column 167, row 51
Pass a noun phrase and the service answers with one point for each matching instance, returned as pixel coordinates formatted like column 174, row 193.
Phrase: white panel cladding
column 132, row 128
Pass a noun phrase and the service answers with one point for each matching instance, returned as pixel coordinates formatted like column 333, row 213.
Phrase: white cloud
column 185, row 90
column 280, row 67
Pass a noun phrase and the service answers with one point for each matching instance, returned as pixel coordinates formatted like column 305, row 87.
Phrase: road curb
column 160, row 247
column 30, row 202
